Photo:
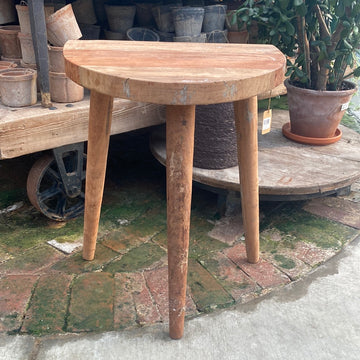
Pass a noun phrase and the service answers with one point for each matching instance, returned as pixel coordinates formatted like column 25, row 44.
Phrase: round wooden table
column 179, row 75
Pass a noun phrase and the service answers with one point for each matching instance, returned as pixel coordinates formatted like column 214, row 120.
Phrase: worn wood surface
column 286, row 167
column 98, row 144
column 180, row 128
column 174, row 73
column 34, row 128
column 246, row 119
column 180, row 75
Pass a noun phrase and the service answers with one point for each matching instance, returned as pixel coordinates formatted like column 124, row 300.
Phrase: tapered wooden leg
column 247, row 143
column 98, row 144
column 180, row 126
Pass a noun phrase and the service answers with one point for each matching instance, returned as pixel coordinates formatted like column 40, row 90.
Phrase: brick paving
column 45, row 291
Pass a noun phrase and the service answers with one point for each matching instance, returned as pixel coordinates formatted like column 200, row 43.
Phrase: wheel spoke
column 60, row 208
column 49, row 193
column 54, row 174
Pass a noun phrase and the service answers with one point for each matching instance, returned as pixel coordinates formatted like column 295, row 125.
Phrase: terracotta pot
column 27, row 48
column 238, row 37
column 120, row 18
column 62, row 26
column 7, row 11
column 24, row 18
column 17, row 61
column 317, row 114
column 62, row 89
column 56, row 59
column 10, row 44
column 8, row 64
column 84, row 11
column 34, row 67
column 18, row 87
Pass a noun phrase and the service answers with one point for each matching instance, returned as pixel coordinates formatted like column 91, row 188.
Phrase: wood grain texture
column 174, row 73
column 32, row 129
column 246, row 122
column 180, row 128
column 98, row 144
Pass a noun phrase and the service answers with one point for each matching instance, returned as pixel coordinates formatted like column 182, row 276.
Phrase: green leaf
column 357, row 72
column 298, row 2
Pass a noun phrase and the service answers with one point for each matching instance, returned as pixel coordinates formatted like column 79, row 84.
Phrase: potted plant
column 323, row 37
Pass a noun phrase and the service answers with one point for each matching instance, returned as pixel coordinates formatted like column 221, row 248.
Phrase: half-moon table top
column 174, row 73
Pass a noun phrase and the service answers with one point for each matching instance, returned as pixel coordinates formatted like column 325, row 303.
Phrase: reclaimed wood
column 246, row 122
column 181, row 75
column 175, row 73
column 180, row 129
column 34, row 128
column 98, row 144
column 287, row 168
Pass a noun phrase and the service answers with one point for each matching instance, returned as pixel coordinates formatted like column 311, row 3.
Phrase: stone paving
column 44, row 290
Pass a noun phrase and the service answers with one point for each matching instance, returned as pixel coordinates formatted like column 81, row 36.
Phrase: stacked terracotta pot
column 61, row 27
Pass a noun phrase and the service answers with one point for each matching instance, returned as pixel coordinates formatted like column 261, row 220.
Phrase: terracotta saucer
column 286, row 130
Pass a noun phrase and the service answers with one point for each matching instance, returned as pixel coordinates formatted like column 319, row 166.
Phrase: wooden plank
column 286, row 167
column 174, row 73
column 31, row 129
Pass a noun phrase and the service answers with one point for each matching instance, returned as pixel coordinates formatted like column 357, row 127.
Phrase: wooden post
column 38, row 32
column 246, row 128
column 180, row 126
column 98, row 144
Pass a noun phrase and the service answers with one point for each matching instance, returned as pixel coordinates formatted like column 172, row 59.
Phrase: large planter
column 317, row 114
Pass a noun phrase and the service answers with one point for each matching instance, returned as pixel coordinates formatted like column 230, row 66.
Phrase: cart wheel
column 46, row 191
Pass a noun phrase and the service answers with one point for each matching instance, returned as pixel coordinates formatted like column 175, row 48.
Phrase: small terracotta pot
column 317, row 114
column 10, row 44
column 16, row 61
column 56, row 59
column 27, row 48
column 62, row 89
column 62, row 26
column 24, row 18
column 34, row 67
column 18, row 87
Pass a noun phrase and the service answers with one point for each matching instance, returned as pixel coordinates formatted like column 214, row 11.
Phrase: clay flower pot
column 317, row 114
column 62, row 89
column 18, row 87
column 10, row 44
column 27, row 48
column 56, row 59
column 62, row 26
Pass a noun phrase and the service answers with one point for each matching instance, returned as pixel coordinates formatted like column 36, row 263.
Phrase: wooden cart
column 55, row 184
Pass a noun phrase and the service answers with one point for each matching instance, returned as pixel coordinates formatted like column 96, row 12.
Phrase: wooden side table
column 179, row 75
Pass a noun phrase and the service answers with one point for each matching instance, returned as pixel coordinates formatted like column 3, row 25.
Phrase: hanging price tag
column 266, row 124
